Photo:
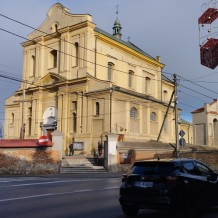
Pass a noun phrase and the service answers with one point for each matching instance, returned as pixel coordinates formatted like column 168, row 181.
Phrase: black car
column 181, row 185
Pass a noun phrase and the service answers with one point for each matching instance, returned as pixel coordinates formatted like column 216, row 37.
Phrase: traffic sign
column 43, row 140
column 182, row 142
column 181, row 133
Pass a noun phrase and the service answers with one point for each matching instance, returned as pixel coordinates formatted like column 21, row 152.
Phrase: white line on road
column 17, row 179
column 51, row 182
column 58, row 193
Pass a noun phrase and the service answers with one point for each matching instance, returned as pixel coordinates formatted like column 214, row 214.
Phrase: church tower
column 117, row 27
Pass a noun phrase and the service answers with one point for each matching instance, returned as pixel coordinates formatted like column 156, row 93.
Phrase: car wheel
column 130, row 211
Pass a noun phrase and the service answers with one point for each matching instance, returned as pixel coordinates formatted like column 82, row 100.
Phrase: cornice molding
column 128, row 50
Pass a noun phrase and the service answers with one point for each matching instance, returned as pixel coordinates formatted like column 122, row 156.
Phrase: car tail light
column 171, row 179
column 124, row 177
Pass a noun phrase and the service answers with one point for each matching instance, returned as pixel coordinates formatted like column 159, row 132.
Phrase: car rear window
column 153, row 168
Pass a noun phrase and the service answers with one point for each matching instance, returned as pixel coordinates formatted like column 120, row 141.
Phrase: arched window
column 12, row 118
column 33, row 65
column 110, row 71
column 53, row 58
column 153, row 116
column 97, row 109
column 214, row 126
column 131, row 74
column 210, row 130
column 54, row 27
column 133, row 113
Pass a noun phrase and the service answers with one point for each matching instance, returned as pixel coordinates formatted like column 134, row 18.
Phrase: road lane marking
column 58, row 193
column 22, row 179
column 50, row 182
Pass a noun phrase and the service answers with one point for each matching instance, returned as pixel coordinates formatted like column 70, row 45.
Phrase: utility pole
column 171, row 98
column 176, row 116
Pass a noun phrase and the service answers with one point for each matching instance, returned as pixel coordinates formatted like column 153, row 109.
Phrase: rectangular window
column 74, row 105
column 131, row 79
column 54, row 58
column 110, row 71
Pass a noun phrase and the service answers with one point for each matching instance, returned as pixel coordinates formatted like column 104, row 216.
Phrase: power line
column 196, row 91
column 198, row 85
column 67, row 41
column 98, row 53
column 204, row 76
column 192, row 96
column 81, row 47
column 72, row 55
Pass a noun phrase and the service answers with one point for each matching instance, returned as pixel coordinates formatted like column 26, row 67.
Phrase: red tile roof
column 198, row 110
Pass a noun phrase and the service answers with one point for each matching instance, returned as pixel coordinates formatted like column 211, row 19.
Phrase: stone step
column 82, row 171
column 80, row 165
column 65, row 170
column 84, row 167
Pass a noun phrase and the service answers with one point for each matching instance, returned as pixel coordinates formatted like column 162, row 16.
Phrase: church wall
column 123, row 62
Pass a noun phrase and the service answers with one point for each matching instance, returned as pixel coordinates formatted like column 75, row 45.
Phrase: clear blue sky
column 168, row 29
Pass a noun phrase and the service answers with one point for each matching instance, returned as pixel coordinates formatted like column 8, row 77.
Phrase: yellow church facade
column 86, row 83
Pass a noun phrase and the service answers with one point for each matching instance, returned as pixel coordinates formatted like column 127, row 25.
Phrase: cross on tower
column 117, row 9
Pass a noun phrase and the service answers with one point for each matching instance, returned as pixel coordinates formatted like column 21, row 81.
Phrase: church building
column 85, row 82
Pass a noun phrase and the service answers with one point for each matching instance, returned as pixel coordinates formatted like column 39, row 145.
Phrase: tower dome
column 117, row 29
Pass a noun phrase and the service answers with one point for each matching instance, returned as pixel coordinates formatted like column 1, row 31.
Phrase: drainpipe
column 111, row 91
column 95, row 55
column 81, row 124
column 62, row 108
column 59, row 53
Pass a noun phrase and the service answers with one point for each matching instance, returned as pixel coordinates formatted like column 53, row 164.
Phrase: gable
column 214, row 106
column 49, row 79
column 59, row 16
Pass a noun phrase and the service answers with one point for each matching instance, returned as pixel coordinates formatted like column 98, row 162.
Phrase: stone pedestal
column 111, row 153
column 57, row 139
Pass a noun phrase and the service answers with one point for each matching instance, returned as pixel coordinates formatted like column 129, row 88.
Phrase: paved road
column 57, row 197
